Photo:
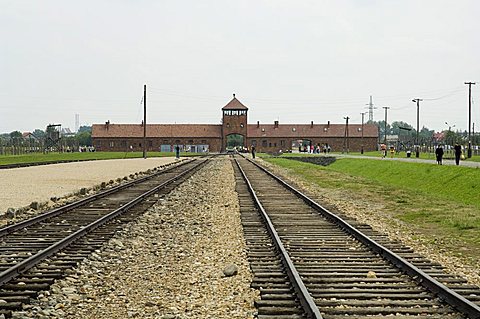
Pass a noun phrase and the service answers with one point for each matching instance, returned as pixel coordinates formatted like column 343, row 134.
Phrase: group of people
column 383, row 148
column 315, row 149
column 439, row 154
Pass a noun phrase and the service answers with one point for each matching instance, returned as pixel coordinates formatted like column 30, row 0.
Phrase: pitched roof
column 306, row 130
column 234, row 104
column 156, row 130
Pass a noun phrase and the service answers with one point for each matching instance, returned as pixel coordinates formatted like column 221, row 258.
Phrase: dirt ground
column 21, row 186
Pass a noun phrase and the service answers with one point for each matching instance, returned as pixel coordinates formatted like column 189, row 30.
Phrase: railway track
column 36, row 252
column 324, row 266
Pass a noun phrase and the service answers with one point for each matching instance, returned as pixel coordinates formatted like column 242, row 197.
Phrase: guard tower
column 234, row 125
column 52, row 137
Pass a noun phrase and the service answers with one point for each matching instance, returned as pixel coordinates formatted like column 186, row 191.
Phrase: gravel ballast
column 372, row 213
column 22, row 186
column 184, row 258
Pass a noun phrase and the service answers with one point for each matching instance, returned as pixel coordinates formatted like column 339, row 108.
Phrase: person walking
column 383, row 147
column 177, row 152
column 439, row 154
column 253, row 152
column 458, row 153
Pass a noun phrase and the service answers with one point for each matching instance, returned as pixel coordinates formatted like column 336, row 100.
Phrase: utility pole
column 145, row 121
column 385, row 130
column 417, row 146
column 345, row 143
column 473, row 133
column 469, row 151
column 361, row 150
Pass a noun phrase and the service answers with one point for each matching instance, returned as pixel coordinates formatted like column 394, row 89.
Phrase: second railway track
column 346, row 273
column 36, row 252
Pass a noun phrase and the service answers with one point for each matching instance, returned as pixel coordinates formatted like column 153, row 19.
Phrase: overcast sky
column 292, row 61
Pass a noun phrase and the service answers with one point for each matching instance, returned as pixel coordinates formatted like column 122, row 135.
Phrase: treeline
column 407, row 133
column 16, row 142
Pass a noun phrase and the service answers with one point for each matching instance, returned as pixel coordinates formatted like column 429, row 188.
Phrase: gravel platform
column 168, row 264
column 22, row 186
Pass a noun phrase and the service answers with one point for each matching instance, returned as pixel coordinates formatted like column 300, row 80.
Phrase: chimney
column 258, row 124
column 107, row 124
column 311, row 124
column 275, row 124
column 328, row 124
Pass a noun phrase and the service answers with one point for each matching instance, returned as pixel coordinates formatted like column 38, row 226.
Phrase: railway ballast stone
column 168, row 263
column 35, row 205
column 10, row 213
column 230, row 270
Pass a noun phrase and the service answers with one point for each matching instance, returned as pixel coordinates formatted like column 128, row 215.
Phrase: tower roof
column 234, row 104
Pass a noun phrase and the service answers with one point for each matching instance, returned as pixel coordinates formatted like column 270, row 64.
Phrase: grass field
column 431, row 156
column 36, row 157
column 447, row 155
column 442, row 201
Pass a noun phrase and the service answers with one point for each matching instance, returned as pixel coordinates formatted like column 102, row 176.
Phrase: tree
column 399, row 126
column 15, row 134
column 84, row 138
column 85, row 128
column 38, row 133
column 381, row 129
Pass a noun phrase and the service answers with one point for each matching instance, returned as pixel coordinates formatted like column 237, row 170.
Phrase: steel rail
column 443, row 292
column 304, row 296
column 63, row 209
column 19, row 165
column 32, row 261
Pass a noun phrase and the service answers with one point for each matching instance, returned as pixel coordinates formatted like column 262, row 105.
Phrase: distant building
column 234, row 131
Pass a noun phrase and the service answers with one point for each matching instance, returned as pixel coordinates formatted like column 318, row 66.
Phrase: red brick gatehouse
column 234, row 130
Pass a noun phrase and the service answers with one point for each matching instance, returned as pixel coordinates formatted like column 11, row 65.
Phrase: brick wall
column 153, row 144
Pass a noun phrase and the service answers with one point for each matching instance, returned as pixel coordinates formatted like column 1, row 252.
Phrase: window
column 112, row 144
column 123, row 143
column 264, row 143
column 294, row 129
column 254, row 142
column 275, row 144
column 165, row 141
column 139, row 144
column 282, row 143
column 269, row 144
column 150, row 143
column 228, row 124
column 241, row 125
